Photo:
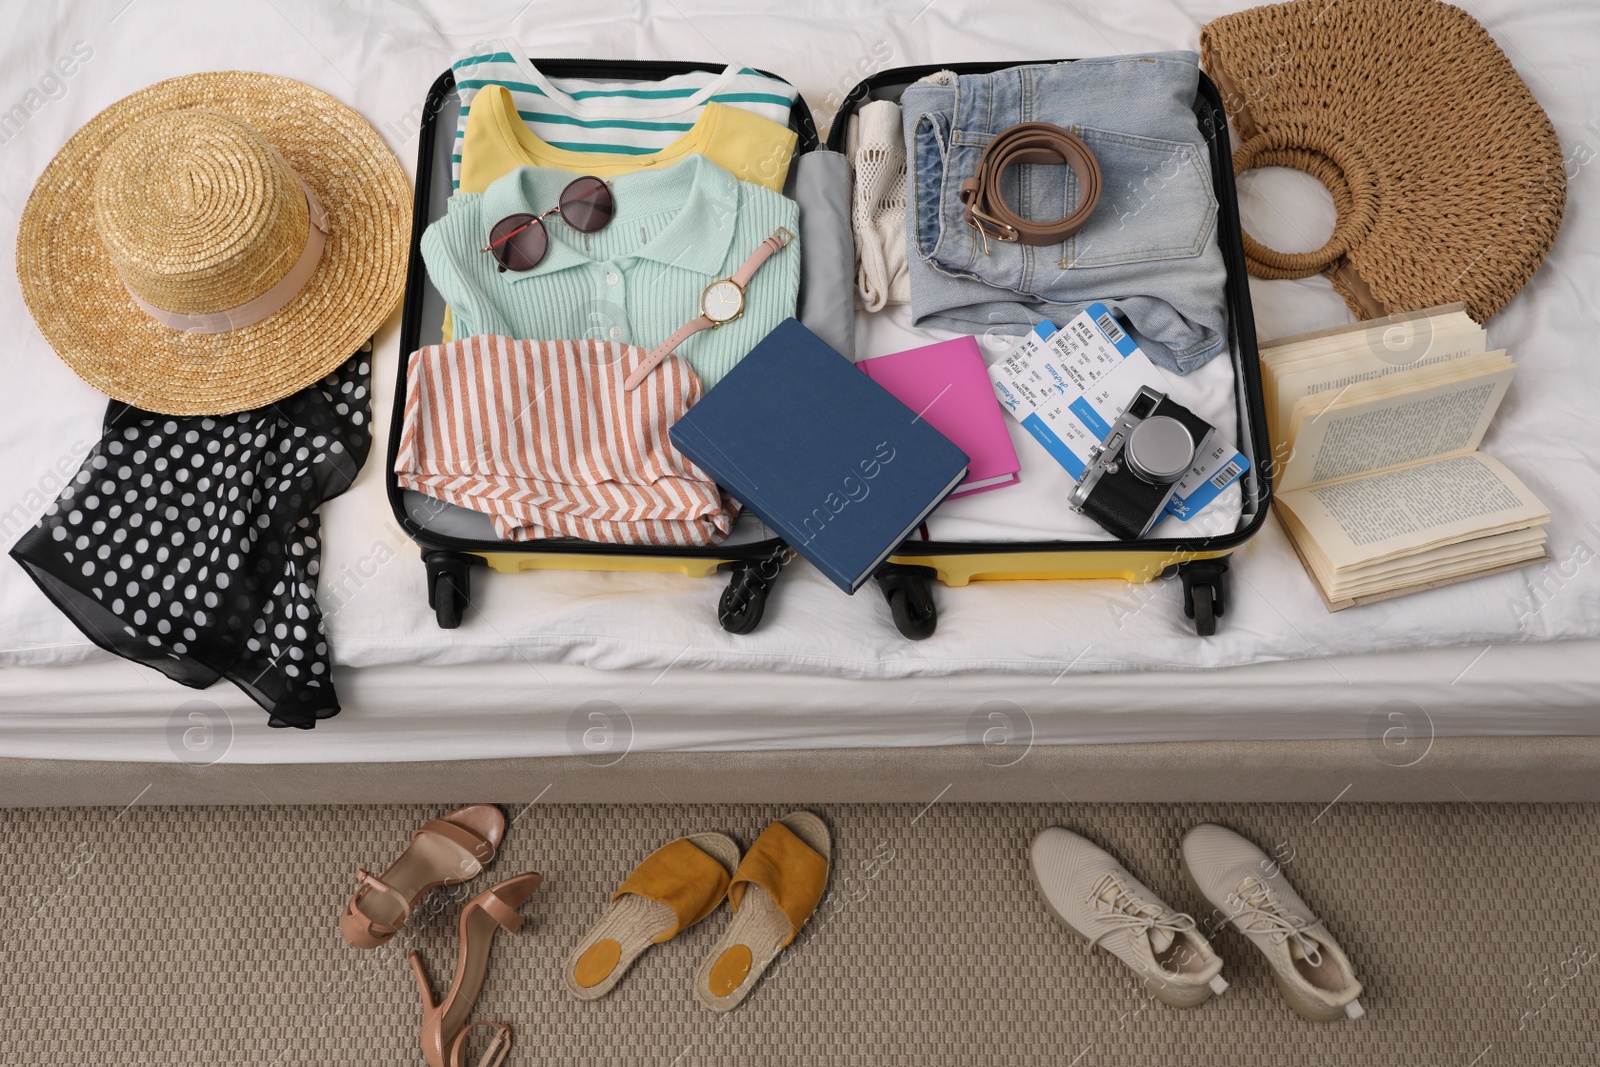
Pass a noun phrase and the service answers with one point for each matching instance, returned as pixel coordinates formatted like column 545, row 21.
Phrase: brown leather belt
column 1029, row 142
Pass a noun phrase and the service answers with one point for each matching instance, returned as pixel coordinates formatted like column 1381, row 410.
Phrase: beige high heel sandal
column 445, row 1024
column 448, row 850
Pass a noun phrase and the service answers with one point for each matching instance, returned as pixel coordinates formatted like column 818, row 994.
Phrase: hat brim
column 84, row 311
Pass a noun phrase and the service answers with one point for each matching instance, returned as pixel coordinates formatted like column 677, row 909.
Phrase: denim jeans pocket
column 1155, row 202
column 928, row 163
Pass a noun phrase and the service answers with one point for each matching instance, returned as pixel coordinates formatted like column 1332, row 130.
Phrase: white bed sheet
column 108, row 710
column 381, row 57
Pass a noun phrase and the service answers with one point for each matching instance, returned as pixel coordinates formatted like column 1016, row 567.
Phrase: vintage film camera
column 1134, row 471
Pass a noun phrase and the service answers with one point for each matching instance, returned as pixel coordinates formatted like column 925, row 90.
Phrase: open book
column 1381, row 486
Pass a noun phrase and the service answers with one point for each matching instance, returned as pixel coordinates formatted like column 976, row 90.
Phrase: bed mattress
column 1398, row 702
column 1081, row 661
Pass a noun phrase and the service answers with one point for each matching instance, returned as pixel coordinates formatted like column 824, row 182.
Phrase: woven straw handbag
column 1446, row 174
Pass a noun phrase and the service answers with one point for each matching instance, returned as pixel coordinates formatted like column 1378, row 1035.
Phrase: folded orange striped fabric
column 542, row 437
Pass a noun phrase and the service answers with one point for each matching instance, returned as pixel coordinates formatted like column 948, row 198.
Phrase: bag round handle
column 1338, row 164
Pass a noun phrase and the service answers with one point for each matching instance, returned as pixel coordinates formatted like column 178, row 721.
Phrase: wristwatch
column 722, row 301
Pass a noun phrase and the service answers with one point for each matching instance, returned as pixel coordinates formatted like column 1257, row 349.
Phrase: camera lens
column 1160, row 449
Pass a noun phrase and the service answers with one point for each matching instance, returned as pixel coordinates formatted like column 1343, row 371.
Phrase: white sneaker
column 1248, row 888
column 1097, row 899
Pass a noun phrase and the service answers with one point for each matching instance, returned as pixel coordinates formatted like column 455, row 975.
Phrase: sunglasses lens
column 586, row 205
column 518, row 242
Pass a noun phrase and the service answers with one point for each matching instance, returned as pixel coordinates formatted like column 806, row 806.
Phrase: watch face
column 722, row 301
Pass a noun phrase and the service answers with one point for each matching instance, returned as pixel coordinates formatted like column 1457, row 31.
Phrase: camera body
column 1133, row 472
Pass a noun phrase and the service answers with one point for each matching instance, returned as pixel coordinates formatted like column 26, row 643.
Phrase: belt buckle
column 1003, row 230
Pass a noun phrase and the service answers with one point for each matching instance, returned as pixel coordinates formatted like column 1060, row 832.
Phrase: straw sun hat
column 215, row 242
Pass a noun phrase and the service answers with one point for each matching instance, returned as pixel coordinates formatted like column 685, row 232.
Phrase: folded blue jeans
column 1150, row 248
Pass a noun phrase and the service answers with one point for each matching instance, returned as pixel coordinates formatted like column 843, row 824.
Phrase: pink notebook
column 948, row 384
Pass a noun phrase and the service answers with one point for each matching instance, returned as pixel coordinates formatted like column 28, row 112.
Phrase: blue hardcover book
column 821, row 453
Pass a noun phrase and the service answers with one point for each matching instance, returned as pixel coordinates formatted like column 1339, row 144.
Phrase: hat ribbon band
column 274, row 299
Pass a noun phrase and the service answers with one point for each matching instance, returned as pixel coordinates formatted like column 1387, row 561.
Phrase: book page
column 1403, row 329
column 1446, row 575
column 1411, row 380
column 1481, row 553
column 1438, row 566
column 1400, row 512
column 1365, row 436
column 1328, row 374
column 1459, row 551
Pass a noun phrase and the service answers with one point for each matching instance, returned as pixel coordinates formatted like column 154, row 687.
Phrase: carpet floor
column 209, row 935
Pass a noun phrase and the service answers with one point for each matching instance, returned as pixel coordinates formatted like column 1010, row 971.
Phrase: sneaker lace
column 1122, row 911
column 1257, row 912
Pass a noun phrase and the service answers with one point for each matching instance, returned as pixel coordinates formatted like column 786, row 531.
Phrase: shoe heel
column 1186, row 998
column 1310, row 1009
column 423, row 987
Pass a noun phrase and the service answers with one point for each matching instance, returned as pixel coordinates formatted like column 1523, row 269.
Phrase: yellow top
column 497, row 141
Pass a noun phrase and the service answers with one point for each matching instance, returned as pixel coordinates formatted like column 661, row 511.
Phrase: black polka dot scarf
column 191, row 544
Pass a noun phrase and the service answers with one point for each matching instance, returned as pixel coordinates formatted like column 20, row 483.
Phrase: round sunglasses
column 519, row 242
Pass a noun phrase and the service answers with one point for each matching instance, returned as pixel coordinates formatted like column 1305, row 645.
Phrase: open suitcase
column 454, row 540
column 1201, row 563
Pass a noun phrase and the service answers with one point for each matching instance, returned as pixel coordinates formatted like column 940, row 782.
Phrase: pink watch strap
column 741, row 277
column 665, row 349
column 764, row 251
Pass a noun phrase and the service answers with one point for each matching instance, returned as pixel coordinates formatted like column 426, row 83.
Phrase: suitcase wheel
column 1203, row 598
column 744, row 600
column 449, row 584
column 910, row 598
